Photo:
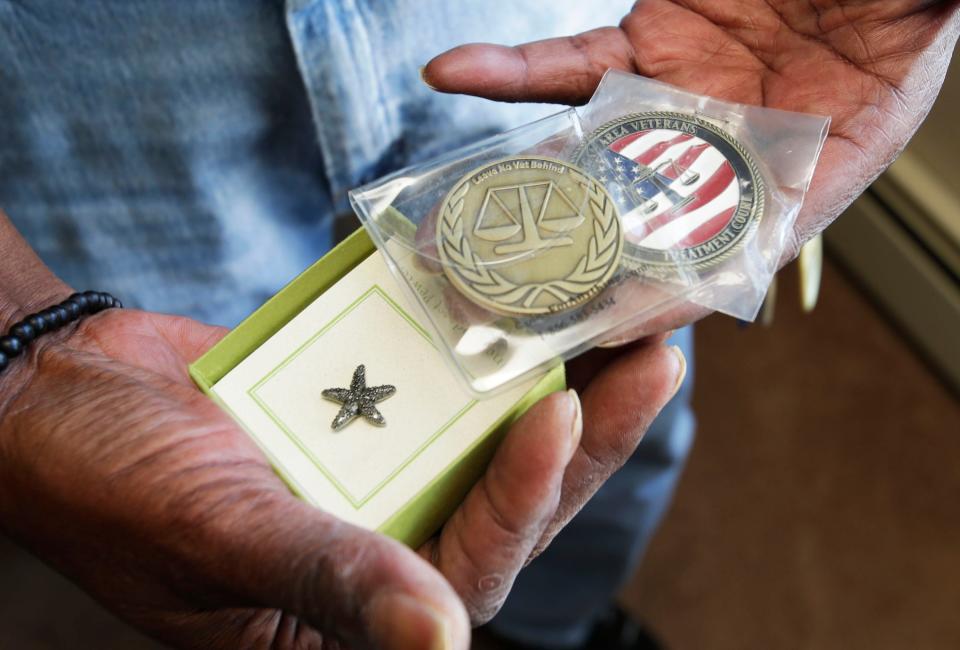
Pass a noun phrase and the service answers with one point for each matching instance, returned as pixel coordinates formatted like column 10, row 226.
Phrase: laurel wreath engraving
column 589, row 270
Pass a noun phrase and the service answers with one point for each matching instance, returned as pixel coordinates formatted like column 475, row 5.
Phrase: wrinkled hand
column 874, row 66
column 115, row 469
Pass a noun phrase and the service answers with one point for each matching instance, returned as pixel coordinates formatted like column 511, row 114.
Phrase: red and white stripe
column 716, row 192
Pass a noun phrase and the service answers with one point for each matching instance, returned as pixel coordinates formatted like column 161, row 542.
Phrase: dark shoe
column 614, row 631
column 617, row 631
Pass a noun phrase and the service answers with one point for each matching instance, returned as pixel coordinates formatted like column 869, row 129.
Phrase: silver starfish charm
column 358, row 400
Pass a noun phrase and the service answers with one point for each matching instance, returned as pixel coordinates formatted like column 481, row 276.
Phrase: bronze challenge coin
column 529, row 235
column 689, row 193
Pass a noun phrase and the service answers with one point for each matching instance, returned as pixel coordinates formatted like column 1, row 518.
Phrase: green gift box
column 404, row 479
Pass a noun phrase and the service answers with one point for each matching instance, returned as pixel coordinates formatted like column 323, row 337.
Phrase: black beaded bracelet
column 22, row 333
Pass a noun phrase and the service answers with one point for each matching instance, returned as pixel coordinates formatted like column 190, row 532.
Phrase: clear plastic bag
column 536, row 244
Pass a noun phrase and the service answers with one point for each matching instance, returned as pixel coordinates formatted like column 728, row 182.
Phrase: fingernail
column 682, row 371
column 577, row 430
column 615, row 343
column 623, row 340
column 423, row 78
column 401, row 622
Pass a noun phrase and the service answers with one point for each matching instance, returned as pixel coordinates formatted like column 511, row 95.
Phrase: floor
column 820, row 507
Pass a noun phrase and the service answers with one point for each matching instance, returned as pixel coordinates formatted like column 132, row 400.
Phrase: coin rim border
column 449, row 268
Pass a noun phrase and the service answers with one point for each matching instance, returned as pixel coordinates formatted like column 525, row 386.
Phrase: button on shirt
column 191, row 156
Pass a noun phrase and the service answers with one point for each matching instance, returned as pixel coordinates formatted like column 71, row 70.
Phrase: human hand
column 875, row 67
column 115, row 469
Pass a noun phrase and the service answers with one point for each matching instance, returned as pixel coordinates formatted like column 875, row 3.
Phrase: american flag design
column 679, row 185
column 677, row 191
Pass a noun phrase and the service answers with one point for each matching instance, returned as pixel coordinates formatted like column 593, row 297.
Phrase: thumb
column 489, row 538
column 622, row 392
column 358, row 586
column 564, row 70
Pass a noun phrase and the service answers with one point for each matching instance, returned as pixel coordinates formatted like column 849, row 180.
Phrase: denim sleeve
column 191, row 156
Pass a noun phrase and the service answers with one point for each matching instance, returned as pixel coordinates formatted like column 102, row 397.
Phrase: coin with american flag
column 688, row 192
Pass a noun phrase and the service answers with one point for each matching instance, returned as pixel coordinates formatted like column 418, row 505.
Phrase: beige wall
column 938, row 141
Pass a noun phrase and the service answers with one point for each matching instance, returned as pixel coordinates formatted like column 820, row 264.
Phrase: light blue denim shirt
column 190, row 156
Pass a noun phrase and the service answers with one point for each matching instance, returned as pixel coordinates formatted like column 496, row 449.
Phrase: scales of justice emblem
column 528, row 236
column 508, row 211
column 661, row 178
